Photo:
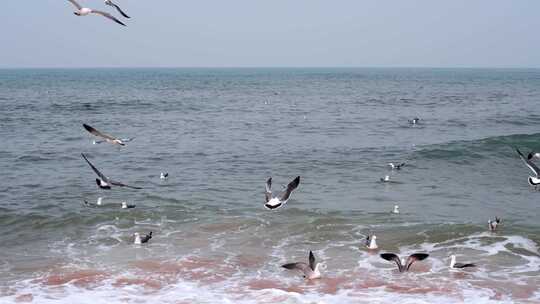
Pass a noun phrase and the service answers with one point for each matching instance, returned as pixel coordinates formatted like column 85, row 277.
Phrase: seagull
column 492, row 224
column 404, row 265
column 414, row 121
column 141, row 240
column 396, row 166
column 396, row 209
column 104, row 182
column 276, row 202
column 532, row 155
column 98, row 203
column 453, row 263
column 310, row 271
column 164, row 175
column 125, row 205
column 110, row 3
column 386, row 179
column 107, row 138
column 83, row 11
column 370, row 242
column 533, row 180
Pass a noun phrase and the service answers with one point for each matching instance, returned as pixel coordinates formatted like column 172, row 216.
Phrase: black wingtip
column 288, row 266
column 388, row 256
column 420, row 256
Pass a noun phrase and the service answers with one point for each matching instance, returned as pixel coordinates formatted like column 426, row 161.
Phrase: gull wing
column 299, row 266
column 95, row 132
column 461, row 265
column 119, row 9
column 311, row 260
column 119, row 184
column 77, row 5
column 290, row 187
column 529, row 163
column 101, row 175
column 415, row 257
column 392, row 257
column 107, row 15
column 268, row 192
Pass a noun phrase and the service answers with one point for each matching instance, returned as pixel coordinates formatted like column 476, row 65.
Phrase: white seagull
column 414, row 121
column 311, row 271
column 453, row 263
column 396, row 166
column 386, row 179
column 404, row 265
column 276, row 202
column 103, row 181
column 106, row 137
column 141, row 240
column 396, row 209
column 125, row 205
column 83, row 11
column 110, row 3
column 533, row 180
column 371, row 242
column 164, row 175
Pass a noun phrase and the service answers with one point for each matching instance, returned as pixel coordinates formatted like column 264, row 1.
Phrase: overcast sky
column 273, row 33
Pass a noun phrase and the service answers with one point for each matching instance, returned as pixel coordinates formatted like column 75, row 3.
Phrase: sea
column 220, row 134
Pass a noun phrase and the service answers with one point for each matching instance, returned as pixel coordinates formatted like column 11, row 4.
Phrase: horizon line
column 264, row 67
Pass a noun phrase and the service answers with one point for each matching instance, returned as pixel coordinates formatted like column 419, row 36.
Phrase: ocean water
column 220, row 133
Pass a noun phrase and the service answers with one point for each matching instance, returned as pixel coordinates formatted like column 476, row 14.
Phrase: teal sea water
column 220, row 133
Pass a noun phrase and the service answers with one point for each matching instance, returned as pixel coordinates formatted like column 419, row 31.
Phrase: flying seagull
column 106, row 137
column 532, row 155
column 533, row 180
column 396, row 166
column 141, row 240
column 104, row 182
column 110, row 3
column 404, row 265
column 276, row 202
column 83, row 11
column 492, row 224
column 310, row 271
column 453, row 263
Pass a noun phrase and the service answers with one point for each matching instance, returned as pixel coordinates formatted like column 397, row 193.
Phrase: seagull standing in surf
column 278, row 201
column 311, row 271
column 533, row 180
column 141, row 240
column 404, row 265
column 493, row 224
column 110, row 3
column 453, row 263
column 371, row 242
column 84, row 11
column 103, row 181
column 106, row 137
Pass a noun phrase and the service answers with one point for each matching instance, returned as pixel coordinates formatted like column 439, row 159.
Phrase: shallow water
column 220, row 133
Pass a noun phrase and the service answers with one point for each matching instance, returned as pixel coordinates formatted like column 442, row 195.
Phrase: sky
column 273, row 33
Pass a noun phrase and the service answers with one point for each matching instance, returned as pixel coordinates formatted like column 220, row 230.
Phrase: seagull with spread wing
column 311, row 271
column 404, row 265
column 84, row 11
column 106, row 137
column 533, row 180
column 278, row 201
column 103, row 181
